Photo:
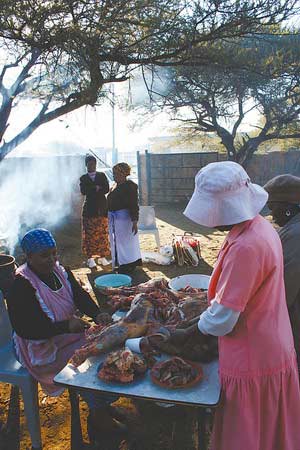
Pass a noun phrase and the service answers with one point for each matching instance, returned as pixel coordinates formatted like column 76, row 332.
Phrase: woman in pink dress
column 260, row 402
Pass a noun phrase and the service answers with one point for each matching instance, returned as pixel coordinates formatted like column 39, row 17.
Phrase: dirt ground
column 55, row 412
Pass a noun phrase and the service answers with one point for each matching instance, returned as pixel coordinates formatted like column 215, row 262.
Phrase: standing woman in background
column 94, row 186
column 123, row 214
column 284, row 204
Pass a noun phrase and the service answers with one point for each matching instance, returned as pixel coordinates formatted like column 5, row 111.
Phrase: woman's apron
column 125, row 247
column 44, row 358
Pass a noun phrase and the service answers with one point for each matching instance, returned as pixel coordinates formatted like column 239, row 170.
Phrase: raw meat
column 175, row 372
column 122, row 366
column 148, row 313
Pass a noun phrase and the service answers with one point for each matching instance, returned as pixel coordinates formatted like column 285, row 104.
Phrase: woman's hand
column 103, row 318
column 152, row 343
column 134, row 227
column 77, row 325
column 177, row 337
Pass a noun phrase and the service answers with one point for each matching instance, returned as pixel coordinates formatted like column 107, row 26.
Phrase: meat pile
column 191, row 290
column 119, row 301
column 122, row 366
column 121, row 298
column 175, row 372
column 153, row 306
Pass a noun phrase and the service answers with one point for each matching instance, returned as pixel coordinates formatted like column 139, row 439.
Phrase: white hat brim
column 216, row 210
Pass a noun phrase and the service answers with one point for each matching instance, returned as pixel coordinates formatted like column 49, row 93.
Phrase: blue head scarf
column 37, row 240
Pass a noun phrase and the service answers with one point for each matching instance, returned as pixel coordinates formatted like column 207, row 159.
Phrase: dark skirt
column 130, row 267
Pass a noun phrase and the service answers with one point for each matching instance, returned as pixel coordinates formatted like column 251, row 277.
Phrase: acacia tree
column 265, row 79
column 63, row 52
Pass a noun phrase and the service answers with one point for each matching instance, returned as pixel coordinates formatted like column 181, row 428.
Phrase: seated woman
column 42, row 303
column 123, row 215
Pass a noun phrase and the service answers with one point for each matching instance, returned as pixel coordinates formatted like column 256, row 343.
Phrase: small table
column 205, row 394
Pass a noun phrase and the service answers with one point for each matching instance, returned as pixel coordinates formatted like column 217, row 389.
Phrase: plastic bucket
column 112, row 281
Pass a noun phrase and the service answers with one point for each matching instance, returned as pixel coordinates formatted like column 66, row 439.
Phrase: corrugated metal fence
column 165, row 178
column 168, row 178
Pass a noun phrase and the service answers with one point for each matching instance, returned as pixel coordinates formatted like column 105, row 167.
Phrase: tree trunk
column 228, row 142
column 246, row 151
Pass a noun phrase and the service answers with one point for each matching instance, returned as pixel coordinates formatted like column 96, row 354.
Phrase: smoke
column 147, row 86
column 37, row 192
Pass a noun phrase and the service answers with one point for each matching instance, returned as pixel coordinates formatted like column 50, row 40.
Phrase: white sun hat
column 224, row 195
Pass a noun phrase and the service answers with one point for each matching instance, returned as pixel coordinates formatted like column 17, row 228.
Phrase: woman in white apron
column 123, row 214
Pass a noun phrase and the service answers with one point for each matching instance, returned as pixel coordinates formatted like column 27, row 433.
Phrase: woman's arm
column 26, row 315
column 133, row 202
column 102, row 183
column 82, row 299
column 291, row 260
column 218, row 320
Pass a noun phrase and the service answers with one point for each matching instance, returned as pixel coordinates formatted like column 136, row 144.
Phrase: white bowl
column 194, row 280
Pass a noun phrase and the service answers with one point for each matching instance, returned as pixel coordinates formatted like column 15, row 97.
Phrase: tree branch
column 240, row 117
column 35, row 53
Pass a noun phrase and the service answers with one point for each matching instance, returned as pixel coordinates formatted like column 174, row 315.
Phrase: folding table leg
column 29, row 390
column 185, row 433
column 76, row 431
column 202, row 438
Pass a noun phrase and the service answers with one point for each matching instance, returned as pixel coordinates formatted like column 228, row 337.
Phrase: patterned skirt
column 95, row 241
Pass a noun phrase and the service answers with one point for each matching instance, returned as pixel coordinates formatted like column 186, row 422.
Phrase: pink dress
column 260, row 403
column 45, row 358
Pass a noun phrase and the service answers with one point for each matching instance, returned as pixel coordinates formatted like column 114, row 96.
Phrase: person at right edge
column 284, row 204
column 260, row 395
column 123, row 215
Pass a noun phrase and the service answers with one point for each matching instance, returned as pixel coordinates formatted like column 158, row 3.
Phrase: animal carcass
column 158, row 307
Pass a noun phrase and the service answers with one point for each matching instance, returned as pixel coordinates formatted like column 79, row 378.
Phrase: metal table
column 205, row 394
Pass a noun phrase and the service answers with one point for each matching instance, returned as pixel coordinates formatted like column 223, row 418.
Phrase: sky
column 89, row 127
